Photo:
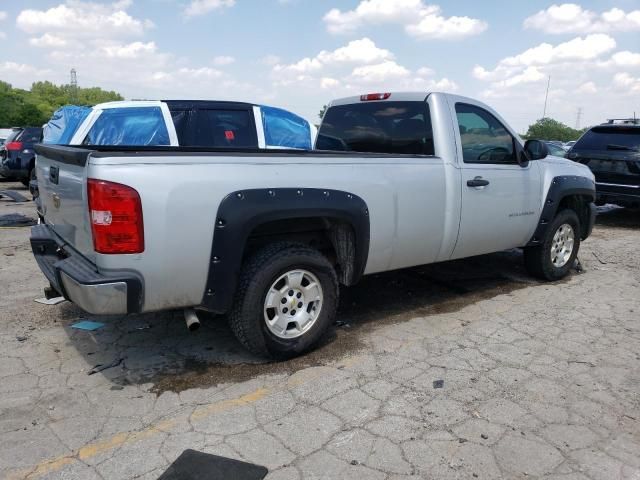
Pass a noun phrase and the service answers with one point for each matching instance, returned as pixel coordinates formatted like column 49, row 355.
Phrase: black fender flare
column 240, row 212
column 562, row 187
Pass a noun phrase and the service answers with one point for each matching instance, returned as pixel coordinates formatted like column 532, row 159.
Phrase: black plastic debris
column 16, row 220
column 101, row 367
column 192, row 465
column 15, row 196
column 341, row 323
column 438, row 383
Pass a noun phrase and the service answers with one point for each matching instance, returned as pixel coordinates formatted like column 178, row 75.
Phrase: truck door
column 500, row 198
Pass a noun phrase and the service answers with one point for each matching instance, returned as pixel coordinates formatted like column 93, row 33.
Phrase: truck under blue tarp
column 63, row 124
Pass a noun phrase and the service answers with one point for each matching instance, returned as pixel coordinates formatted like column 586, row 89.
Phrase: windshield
column 607, row 138
column 378, row 127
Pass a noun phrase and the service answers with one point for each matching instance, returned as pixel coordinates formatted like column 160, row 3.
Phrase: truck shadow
column 157, row 348
column 618, row 217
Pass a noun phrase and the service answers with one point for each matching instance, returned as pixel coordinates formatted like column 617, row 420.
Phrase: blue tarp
column 63, row 124
column 134, row 126
column 285, row 129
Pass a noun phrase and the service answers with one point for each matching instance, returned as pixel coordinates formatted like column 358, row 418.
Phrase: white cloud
column 270, row 60
column 14, row 67
column 3, row 16
column 572, row 18
column 222, row 60
column 356, row 51
column 578, row 70
column 437, row 26
column 513, row 70
column 380, row 72
column 21, row 74
column 588, row 87
column 419, row 19
column 579, row 48
column 624, row 80
column 201, row 7
column 357, row 67
column 626, row 59
column 47, row 41
column 133, row 50
column 359, row 52
column 76, row 18
column 328, row 82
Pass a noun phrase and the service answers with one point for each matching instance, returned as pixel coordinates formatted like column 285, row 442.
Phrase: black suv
column 612, row 152
column 17, row 157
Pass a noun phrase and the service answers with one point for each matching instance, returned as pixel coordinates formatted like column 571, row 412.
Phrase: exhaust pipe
column 191, row 317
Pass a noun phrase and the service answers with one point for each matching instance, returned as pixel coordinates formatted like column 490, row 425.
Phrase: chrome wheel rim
column 562, row 245
column 293, row 303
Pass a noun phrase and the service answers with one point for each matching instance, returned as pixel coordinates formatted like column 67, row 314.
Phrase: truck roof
column 397, row 96
column 175, row 103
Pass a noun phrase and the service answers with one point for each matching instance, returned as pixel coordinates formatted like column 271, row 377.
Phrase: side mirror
column 536, row 149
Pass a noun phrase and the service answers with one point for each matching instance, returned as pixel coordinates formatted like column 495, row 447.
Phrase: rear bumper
column 78, row 280
column 12, row 168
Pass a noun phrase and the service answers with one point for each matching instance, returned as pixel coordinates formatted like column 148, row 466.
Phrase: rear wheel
column 553, row 259
column 286, row 300
column 25, row 181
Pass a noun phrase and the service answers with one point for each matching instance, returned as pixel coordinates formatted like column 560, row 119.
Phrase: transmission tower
column 578, row 116
column 74, row 86
column 546, row 97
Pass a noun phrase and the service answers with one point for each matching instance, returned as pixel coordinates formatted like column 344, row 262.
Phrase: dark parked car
column 555, row 149
column 17, row 156
column 612, row 152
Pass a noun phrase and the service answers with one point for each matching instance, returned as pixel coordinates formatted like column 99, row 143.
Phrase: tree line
column 34, row 107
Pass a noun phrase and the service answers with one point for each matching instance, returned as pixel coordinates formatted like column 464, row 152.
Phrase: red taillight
column 14, row 146
column 116, row 217
column 374, row 96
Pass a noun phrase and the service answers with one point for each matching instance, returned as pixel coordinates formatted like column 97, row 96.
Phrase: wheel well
column 333, row 237
column 580, row 205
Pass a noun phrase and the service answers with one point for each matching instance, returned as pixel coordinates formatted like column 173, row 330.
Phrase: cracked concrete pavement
column 538, row 380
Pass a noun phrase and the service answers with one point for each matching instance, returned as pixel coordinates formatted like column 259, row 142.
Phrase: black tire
column 25, row 181
column 258, row 274
column 537, row 259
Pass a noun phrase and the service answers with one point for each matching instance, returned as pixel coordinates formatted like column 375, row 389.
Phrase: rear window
column 608, row 138
column 135, row 126
column 225, row 129
column 378, row 127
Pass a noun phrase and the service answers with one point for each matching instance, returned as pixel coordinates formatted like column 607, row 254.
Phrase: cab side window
column 484, row 139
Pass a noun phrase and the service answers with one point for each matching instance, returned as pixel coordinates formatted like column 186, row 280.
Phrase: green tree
column 34, row 107
column 550, row 129
column 322, row 111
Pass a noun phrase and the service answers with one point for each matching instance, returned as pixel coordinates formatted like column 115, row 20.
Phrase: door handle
column 477, row 182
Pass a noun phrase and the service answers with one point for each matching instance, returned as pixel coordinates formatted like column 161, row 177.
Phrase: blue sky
column 299, row 54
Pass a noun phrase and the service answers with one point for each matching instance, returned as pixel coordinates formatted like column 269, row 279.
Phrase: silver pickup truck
column 267, row 236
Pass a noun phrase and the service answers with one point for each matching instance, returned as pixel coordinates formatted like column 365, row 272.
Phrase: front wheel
column 286, row 300
column 554, row 257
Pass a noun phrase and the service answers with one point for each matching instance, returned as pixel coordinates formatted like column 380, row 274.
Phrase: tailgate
column 62, row 180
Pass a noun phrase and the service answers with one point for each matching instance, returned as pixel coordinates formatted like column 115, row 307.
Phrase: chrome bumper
column 80, row 282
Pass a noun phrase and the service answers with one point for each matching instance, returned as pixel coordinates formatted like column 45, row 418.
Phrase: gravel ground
column 468, row 369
